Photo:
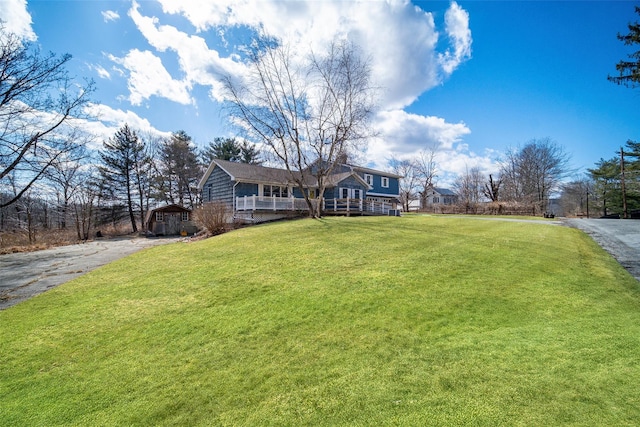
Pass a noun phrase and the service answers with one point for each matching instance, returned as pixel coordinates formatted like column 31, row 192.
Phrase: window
column 159, row 216
column 385, row 182
column 368, row 178
column 185, row 216
column 275, row 191
column 350, row 193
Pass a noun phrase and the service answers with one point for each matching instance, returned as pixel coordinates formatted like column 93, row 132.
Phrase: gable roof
column 444, row 191
column 375, row 172
column 336, row 178
column 167, row 208
column 245, row 172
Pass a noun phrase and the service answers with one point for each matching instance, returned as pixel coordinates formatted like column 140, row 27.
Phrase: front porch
column 348, row 206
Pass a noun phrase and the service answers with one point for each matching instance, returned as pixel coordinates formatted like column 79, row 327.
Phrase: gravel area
column 24, row 275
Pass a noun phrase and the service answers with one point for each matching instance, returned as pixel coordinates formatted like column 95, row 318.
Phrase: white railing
column 348, row 205
column 258, row 203
column 357, row 205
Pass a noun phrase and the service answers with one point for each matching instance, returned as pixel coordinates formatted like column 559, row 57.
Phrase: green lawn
column 419, row 320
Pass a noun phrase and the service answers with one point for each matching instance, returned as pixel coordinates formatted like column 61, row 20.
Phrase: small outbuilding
column 170, row 220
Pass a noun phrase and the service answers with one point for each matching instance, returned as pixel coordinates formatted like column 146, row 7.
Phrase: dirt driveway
column 619, row 237
column 24, row 275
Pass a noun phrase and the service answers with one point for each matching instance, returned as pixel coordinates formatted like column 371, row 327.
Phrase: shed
column 170, row 220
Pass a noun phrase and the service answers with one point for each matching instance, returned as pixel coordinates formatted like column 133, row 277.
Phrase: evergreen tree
column 630, row 69
column 232, row 150
column 606, row 177
column 178, row 170
column 124, row 171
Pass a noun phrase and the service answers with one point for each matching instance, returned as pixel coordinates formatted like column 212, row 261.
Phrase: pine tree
column 124, row 170
column 630, row 69
column 178, row 170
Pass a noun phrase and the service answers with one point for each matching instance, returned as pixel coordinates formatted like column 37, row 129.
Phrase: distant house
column 258, row 193
column 437, row 197
column 170, row 220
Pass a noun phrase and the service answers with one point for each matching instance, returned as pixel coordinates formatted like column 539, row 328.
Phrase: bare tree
column 66, row 179
column 578, row 197
column 469, row 188
column 426, row 172
column 38, row 102
column 408, row 170
column 84, row 204
column 307, row 111
column 532, row 173
column 491, row 189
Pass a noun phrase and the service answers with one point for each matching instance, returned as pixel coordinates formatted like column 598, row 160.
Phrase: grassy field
column 418, row 320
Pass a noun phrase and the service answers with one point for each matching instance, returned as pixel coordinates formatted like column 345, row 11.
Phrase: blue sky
column 469, row 79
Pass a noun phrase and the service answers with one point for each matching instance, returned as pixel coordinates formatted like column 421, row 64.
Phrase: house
column 258, row 193
column 437, row 197
column 170, row 220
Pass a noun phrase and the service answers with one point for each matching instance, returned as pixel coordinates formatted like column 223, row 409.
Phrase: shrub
column 212, row 216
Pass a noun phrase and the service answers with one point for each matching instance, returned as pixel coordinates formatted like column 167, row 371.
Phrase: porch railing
column 258, row 203
column 275, row 204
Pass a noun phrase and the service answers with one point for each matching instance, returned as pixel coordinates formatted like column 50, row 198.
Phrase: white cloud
column 16, row 18
column 457, row 28
column 200, row 64
column 110, row 15
column 102, row 73
column 148, row 77
column 400, row 38
column 410, row 131
column 108, row 120
column 402, row 135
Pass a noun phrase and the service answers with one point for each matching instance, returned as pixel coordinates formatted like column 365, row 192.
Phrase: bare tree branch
column 308, row 111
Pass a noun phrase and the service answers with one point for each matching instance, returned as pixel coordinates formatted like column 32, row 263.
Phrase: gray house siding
column 350, row 183
column 218, row 187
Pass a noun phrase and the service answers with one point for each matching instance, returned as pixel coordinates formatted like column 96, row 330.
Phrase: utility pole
column 624, row 192
column 587, row 204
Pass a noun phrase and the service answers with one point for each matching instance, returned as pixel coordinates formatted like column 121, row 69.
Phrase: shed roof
column 167, row 208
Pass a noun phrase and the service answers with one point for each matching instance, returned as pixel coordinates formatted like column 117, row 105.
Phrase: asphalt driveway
column 619, row 237
column 24, row 275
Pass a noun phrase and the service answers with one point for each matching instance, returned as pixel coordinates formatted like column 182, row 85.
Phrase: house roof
column 245, row 172
column 444, row 191
column 336, row 178
column 373, row 171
